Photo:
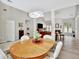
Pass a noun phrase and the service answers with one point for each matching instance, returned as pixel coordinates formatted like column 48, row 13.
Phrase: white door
column 10, row 30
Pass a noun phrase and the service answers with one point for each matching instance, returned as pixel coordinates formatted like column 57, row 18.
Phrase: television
column 39, row 25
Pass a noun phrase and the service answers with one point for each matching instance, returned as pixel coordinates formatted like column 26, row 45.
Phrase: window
column 67, row 28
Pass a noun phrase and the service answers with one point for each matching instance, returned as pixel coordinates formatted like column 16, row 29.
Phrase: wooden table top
column 28, row 49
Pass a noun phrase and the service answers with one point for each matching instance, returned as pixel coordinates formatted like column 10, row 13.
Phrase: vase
column 37, row 40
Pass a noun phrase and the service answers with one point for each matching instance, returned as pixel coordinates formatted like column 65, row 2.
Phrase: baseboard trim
column 5, row 42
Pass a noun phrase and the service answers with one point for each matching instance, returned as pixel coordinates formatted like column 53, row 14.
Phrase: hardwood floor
column 70, row 49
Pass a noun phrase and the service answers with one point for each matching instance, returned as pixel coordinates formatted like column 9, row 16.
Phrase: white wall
column 11, row 14
column 68, row 12
column 53, row 23
column 47, row 15
column 29, row 24
column 77, row 22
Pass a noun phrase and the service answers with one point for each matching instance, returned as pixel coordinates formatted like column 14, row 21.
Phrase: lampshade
column 36, row 14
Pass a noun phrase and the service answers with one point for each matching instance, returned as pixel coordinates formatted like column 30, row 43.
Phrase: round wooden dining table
column 30, row 50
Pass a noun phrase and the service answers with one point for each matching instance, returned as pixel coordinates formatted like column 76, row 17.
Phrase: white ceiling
column 41, row 5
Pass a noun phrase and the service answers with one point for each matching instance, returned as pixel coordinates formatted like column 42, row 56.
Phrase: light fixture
column 36, row 14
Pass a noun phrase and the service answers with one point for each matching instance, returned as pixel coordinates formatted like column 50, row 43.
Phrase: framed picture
column 56, row 25
column 20, row 24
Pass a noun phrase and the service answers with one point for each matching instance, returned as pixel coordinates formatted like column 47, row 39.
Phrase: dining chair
column 5, row 46
column 56, row 52
column 48, row 37
column 24, row 37
column 2, row 55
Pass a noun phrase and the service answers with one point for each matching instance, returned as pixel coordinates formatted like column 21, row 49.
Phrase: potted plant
column 37, row 36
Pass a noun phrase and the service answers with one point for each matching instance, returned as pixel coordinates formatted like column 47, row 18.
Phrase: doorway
column 10, row 30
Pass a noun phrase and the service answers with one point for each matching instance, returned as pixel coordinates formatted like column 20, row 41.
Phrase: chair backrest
column 57, row 50
column 48, row 37
column 2, row 55
column 24, row 37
